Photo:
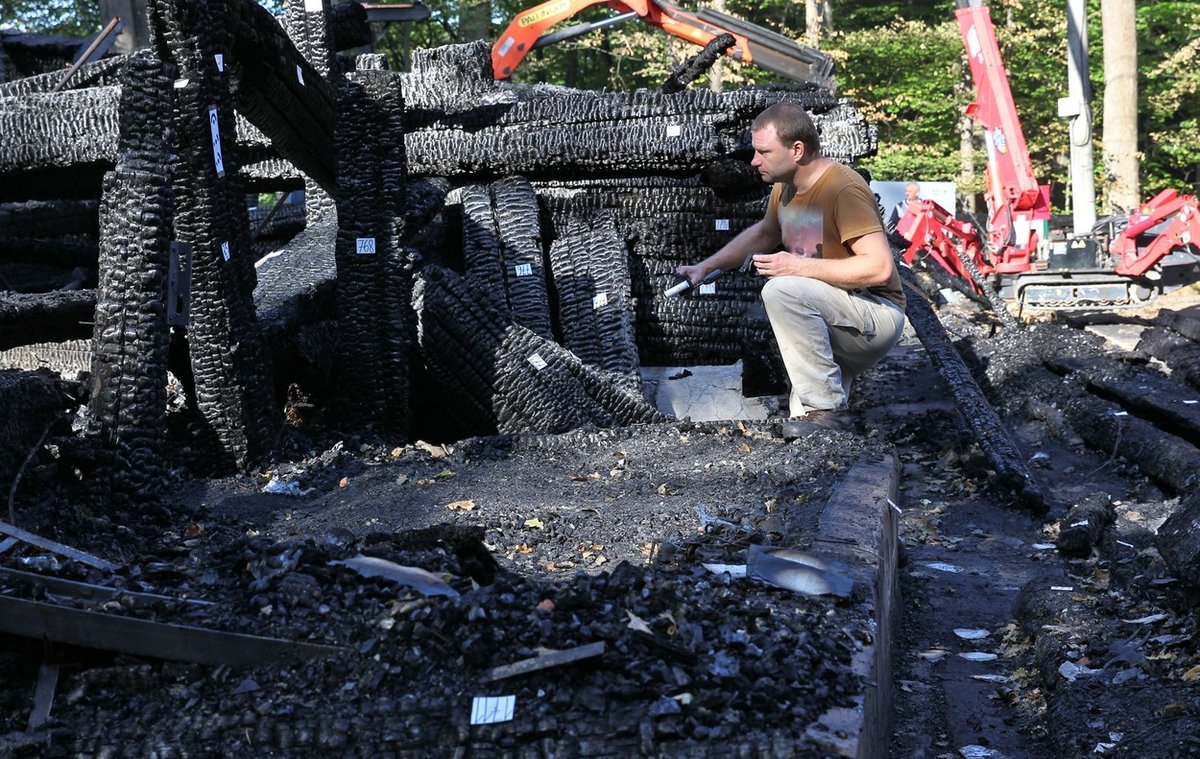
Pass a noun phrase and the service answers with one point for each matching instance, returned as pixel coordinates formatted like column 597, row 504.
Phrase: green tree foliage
column 1169, row 95
column 73, row 18
column 903, row 77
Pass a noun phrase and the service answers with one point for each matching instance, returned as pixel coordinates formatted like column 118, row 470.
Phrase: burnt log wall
column 128, row 405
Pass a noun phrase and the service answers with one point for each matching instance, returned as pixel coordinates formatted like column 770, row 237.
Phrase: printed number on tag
column 225, row 250
column 721, row 225
column 709, row 288
column 538, row 362
column 524, row 270
column 365, row 246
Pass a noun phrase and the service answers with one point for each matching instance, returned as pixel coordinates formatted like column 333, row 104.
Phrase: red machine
column 752, row 44
column 1125, row 261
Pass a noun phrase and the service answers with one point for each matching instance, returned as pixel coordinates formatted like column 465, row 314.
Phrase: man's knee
column 790, row 291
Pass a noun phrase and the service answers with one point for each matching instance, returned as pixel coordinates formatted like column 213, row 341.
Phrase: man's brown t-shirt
column 838, row 207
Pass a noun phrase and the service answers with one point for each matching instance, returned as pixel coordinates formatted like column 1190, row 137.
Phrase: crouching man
column 833, row 293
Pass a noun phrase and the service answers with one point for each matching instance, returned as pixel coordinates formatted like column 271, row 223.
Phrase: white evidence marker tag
column 523, row 270
column 709, row 288
column 599, row 301
column 538, row 362
column 486, row 710
column 300, row 74
column 674, row 130
column 721, row 225
column 220, row 61
column 364, row 246
column 225, row 250
column 215, row 127
column 314, row 6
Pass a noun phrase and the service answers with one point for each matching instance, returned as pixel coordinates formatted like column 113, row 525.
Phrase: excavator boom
column 752, row 44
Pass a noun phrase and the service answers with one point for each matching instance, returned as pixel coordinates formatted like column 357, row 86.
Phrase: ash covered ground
column 1006, row 646
column 549, row 543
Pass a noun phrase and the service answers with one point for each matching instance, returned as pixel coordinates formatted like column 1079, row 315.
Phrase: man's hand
column 780, row 264
column 693, row 273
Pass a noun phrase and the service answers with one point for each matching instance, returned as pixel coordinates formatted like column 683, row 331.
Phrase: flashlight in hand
column 686, row 284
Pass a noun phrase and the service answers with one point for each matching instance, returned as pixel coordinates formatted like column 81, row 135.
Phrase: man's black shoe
column 814, row 421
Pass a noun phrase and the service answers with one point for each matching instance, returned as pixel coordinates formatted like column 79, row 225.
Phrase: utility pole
column 1076, row 108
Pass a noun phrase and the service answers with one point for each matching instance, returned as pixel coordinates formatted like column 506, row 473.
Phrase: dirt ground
column 972, row 564
column 598, row 536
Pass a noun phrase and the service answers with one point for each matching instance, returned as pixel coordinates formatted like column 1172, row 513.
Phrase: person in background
column 912, row 194
column 832, row 294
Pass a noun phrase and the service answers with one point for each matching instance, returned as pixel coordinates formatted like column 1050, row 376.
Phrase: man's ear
column 798, row 150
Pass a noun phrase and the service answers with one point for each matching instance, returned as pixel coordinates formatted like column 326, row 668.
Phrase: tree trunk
column 1120, row 103
column 475, row 22
column 818, row 18
column 136, row 33
column 716, row 72
column 966, row 148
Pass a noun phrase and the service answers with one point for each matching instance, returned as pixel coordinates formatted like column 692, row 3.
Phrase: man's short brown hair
column 792, row 124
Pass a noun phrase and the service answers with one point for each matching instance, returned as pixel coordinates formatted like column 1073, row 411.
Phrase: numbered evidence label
column 214, row 126
column 364, row 246
column 486, row 710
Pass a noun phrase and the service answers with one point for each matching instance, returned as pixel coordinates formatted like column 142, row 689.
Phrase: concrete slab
column 704, row 393
column 859, row 527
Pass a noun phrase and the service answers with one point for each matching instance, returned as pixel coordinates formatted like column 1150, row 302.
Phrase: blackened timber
column 1107, row 427
column 43, row 131
column 45, row 317
column 273, row 85
column 1160, row 399
column 376, row 326
column 1174, row 350
column 1178, row 540
column 127, row 419
column 1186, row 323
column 1084, row 525
column 990, row 434
column 142, row 637
column 228, row 356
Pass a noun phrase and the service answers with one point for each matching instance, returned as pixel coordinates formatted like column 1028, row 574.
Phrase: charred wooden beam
column 43, row 131
column 273, row 84
column 1106, row 426
column 1178, row 539
column 45, row 317
column 1174, row 350
column 1140, row 390
column 376, row 326
column 143, row 637
column 128, row 405
column 505, row 377
column 102, row 73
column 228, row 357
column 993, row 438
column 1186, row 323
column 1083, row 526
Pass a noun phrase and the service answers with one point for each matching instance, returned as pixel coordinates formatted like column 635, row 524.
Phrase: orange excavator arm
column 752, row 44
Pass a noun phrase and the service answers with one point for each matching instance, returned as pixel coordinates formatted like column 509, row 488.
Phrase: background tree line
column 902, row 63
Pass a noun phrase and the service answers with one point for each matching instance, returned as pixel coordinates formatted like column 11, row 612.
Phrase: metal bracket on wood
column 179, row 284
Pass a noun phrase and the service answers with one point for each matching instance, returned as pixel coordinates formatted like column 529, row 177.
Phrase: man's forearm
column 749, row 241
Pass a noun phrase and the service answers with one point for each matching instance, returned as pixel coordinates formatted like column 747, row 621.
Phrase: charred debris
column 471, row 261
